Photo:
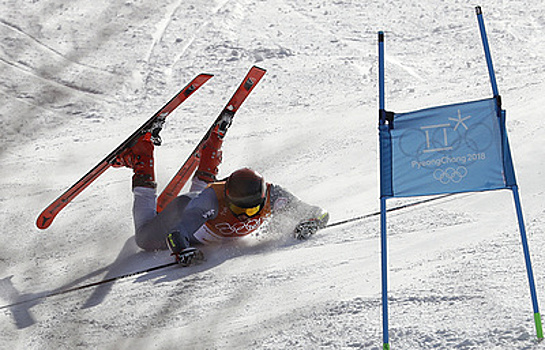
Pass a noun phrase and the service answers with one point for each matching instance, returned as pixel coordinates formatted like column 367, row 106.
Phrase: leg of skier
column 151, row 228
column 139, row 157
column 211, row 157
column 180, row 245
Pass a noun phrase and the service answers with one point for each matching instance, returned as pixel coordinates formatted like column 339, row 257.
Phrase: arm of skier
column 290, row 214
column 198, row 211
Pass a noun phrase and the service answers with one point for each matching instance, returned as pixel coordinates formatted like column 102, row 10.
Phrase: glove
column 182, row 252
column 307, row 228
column 189, row 256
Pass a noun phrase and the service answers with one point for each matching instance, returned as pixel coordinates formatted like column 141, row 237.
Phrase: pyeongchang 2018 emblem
column 447, row 149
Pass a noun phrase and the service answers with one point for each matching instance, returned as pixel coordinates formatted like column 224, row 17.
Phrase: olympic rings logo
column 454, row 175
column 225, row 229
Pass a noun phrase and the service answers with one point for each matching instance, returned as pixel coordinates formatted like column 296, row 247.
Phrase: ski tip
column 256, row 67
column 202, row 78
column 196, row 83
column 43, row 222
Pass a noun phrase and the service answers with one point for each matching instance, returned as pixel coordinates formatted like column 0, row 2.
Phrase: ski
column 221, row 124
column 153, row 125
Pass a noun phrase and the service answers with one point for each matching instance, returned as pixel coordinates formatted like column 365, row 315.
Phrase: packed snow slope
column 77, row 77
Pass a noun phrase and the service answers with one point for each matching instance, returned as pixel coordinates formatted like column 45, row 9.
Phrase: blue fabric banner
column 446, row 149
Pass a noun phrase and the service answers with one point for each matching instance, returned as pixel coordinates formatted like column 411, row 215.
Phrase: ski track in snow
column 76, row 79
column 162, row 26
column 52, row 50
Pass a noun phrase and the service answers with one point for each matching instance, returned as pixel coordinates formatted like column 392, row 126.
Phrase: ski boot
column 211, row 157
column 182, row 252
column 139, row 157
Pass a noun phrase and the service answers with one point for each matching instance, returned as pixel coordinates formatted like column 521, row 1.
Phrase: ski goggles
column 249, row 212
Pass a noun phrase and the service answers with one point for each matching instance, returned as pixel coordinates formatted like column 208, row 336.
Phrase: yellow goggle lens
column 248, row 211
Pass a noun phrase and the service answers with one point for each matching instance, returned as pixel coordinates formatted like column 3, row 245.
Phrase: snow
column 77, row 77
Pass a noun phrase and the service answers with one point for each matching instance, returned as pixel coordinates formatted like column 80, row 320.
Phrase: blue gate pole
column 383, row 253
column 537, row 315
column 381, row 93
column 384, row 259
column 522, row 229
column 487, row 52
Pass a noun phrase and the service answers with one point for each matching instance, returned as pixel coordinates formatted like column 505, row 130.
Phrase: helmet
column 245, row 188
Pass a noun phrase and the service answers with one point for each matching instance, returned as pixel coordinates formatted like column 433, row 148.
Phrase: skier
column 213, row 211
